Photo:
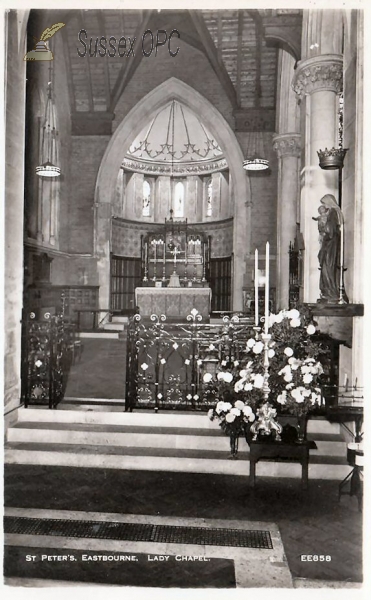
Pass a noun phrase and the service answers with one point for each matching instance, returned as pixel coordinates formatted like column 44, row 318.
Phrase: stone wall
column 14, row 165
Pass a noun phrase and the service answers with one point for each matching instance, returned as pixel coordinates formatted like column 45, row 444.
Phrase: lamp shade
column 255, row 164
column 47, row 169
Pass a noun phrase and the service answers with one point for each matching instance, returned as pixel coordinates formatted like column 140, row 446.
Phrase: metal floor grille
column 140, row 532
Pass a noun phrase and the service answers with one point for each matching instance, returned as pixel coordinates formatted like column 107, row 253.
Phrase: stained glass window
column 146, row 207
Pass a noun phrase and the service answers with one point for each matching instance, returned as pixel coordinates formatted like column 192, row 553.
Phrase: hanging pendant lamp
column 48, row 144
column 255, row 160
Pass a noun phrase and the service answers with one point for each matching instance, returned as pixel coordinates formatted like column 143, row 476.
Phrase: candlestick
column 256, row 286
column 266, row 312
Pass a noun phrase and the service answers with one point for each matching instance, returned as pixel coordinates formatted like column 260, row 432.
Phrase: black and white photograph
column 185, row 212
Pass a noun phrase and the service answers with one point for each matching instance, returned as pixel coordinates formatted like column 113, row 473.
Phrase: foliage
column 296, row 351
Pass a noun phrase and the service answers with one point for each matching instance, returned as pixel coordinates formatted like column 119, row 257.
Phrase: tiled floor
column 311, row 523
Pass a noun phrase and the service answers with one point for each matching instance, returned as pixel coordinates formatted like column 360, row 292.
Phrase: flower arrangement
column 296, row 350
column 232, row 418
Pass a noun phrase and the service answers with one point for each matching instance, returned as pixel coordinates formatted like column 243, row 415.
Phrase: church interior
column 173, row 178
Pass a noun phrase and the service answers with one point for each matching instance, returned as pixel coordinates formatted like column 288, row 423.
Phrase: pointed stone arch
column 130, row 126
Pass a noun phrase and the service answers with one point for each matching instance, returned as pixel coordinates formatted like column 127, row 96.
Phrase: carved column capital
column 319, row 73
column 287, row 144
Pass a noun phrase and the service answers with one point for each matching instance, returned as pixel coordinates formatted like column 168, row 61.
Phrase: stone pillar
column 287, row 146
column 317, row 82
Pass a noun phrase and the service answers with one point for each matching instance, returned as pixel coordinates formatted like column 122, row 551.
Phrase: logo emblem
column 41, row 50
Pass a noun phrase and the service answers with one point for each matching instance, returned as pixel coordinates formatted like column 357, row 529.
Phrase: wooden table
column 281, row 451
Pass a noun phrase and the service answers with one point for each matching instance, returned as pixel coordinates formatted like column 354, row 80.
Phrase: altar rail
column 48, row 346
column 166, row 362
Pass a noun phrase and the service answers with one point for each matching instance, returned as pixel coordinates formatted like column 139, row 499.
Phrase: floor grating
column 140, row 532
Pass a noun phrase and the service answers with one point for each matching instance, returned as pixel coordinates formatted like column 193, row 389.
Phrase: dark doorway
column 221, row 282
column 125, row 277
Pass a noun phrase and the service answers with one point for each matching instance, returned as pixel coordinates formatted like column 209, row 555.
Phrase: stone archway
column 118, row 146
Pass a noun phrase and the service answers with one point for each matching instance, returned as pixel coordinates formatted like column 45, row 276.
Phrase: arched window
column 146, row 206
column 209, row 198
column 179, row 200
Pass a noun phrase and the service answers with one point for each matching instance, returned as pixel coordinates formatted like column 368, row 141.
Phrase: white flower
column 239, row 404
column 38, row 363
column 311, row 329
column 236, row 363
column 295, row 323
column 228, row 377
column 238, row 386
column 163, row 361
column 297, row 394
column 187, row 361
column 250, row 343
column 144, row 366
column 289, row 386
column 236, row 411
column 288, row 377
column 159, row 395
column 308, row 378
column 293, row 314
column 196, row 397
column 189, row 397
column 279, row 318
column 247, row 410
column 271, row 353
column 258, row 381
column 175, row 346
column 226, row 406
column 230, row 417
column 243, row 373
column 248, row 387
column 211, row 347
column 257, row 349
column 288, row 351
column 282, row 398
column 286, row 369
column 224, row 363
column 207, row 377
column 294, row 363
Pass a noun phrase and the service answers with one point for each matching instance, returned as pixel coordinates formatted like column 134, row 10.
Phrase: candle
column 256, row 285
column 266, row 313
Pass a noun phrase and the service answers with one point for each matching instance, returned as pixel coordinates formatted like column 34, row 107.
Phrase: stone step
column 99, row 334
column 119, row 319
column 114, row 326
column 144, row 437
column 159, row 459
column 148, row 419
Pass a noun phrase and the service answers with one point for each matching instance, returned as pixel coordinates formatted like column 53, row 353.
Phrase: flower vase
column 233, row 440
column 302, row 428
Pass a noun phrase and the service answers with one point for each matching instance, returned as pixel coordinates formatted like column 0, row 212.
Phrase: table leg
column 252, row 473
column 304, row 473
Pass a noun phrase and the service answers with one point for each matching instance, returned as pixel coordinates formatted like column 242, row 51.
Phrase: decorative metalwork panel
column 47, row 353
column 166, row 362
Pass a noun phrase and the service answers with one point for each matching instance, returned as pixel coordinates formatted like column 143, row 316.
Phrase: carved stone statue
column 329, row 223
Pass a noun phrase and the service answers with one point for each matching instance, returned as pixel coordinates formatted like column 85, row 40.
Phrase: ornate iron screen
column 47, row 351
column 166, row 361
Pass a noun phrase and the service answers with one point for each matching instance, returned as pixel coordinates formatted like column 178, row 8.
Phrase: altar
column 173, row 302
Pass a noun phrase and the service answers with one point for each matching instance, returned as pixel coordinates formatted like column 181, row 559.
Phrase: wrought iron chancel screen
column 125, row 277
column 166, row 362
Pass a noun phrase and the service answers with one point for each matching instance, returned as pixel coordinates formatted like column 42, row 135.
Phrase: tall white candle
column 256, row 285
column 266, row 312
